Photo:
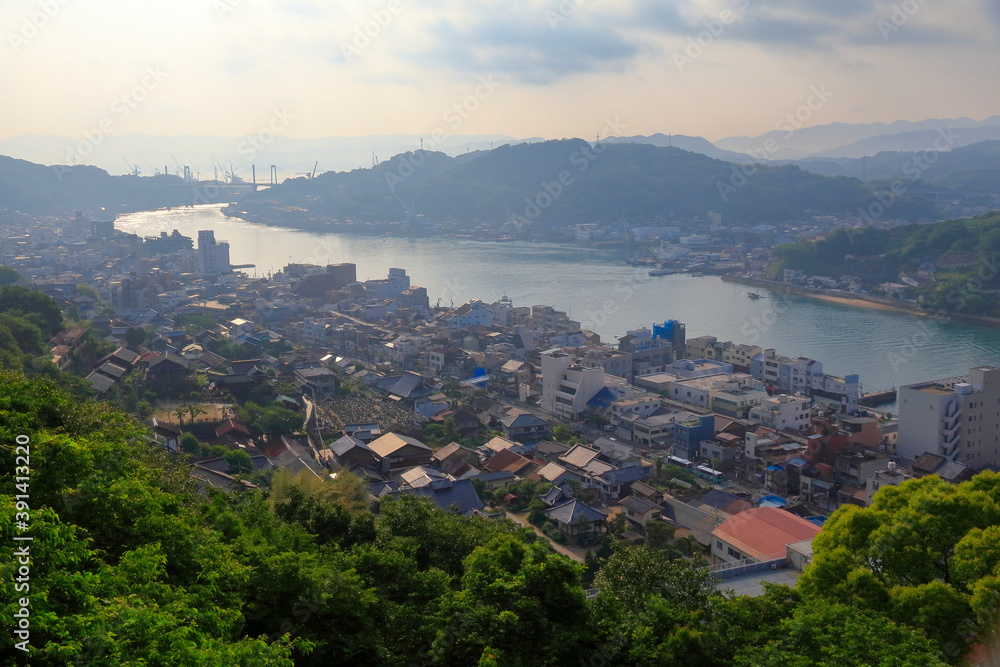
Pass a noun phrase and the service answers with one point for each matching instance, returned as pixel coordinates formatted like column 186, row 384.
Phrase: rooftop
column 763, row 531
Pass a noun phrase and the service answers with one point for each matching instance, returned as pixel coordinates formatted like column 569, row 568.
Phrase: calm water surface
column 609, row 297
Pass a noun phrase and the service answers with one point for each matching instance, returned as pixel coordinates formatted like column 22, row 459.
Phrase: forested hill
column 570, row 181
column 955, row 262
column 60, row 189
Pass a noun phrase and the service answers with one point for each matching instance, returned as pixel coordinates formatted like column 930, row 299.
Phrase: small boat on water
column 754, row 295
column 661, row 272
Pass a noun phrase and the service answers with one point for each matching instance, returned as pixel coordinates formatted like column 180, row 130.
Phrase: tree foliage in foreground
column 133, row 565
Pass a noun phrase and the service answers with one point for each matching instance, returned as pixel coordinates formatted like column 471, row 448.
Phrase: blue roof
column 819, row 520
column 771, row 501
column 775, row 468
column 603, row 399
column 798, row 462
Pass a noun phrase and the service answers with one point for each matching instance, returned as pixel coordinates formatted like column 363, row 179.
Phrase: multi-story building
column 735, row 399
column 689, row 434
column 213, row 256
column 473, row 313
column 550, row 318
column 740, row 356
column 781, row 412
column 612, row 361
column 391, row 287
column 890, row 476
column 702, row 347
column 957, row 418
column 567, row 386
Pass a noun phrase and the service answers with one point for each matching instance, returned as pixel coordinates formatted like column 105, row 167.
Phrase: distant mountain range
column 636, row 178
column 974, row 168
column 555, row 183
column 214, row 157
column 860, row 139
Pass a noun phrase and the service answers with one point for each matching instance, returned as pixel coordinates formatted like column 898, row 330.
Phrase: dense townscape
column 679, row 484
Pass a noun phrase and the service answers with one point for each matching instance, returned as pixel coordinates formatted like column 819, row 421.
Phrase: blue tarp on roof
column 771, row 501
column 818, row 520
column 603, row 399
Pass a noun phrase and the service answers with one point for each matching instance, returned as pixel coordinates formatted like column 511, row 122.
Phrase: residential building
column 576, row 518
column 957, row 418
column 782, row 412
column 566, row 386
column 459, row 496
column 317, row 382
column 509, row 378
column 889, row 476
column 689, row 434
column 473, row 313
column 394, row 452
column 525, row 427
column 391, row 287
column 213, row 256
column 639, row 511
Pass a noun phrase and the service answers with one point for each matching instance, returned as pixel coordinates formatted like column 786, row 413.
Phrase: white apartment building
column 213, row 256
column 473, row 313
column 567, row 386
column 957, row 418
column 391, row 287
column 781, row 412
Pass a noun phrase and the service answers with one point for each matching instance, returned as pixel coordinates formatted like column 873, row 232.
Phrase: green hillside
column 964, row 254
column 567, row 182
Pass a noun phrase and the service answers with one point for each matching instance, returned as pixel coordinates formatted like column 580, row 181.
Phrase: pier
column 874, row 398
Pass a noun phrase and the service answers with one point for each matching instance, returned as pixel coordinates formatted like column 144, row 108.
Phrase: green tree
column 135, row 336
column 913, row 555
column 836, row 635
column 519, row 600
column 9, row 276
column 190, row 444
column 659, row 535
column 37, row 308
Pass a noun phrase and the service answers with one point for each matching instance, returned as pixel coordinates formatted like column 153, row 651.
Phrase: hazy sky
column 525, row 68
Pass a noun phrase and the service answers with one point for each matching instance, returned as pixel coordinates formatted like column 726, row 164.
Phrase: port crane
column 134, row 170
column 310, row 175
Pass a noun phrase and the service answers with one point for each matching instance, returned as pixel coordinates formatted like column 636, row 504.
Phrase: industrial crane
column 134, row 170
